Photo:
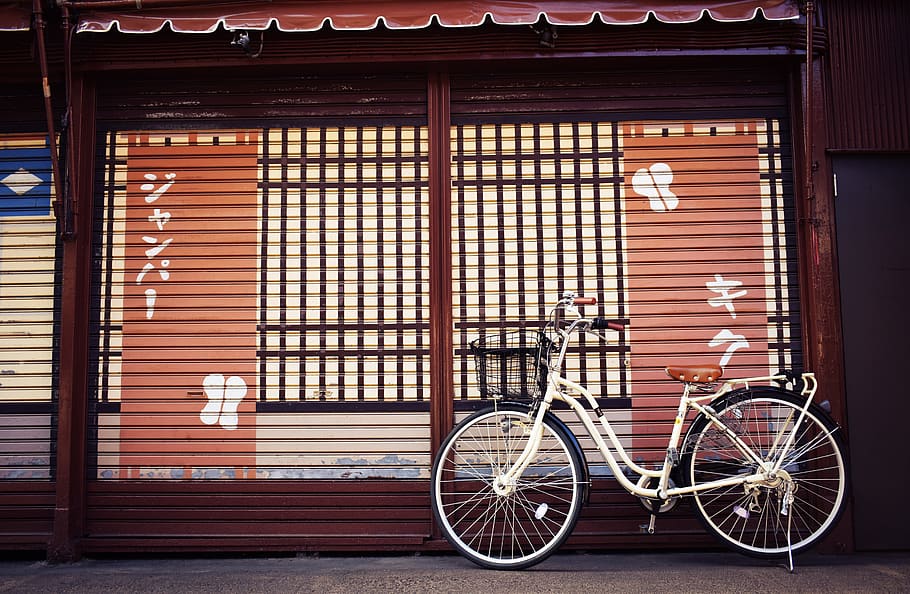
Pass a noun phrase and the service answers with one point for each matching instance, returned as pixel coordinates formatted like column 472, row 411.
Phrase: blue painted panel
column 25, row 181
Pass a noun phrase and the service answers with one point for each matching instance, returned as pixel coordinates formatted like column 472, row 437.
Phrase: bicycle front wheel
column 800, row 505
column 528, row 522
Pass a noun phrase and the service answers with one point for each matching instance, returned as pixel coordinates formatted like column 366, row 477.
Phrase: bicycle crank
column 656, row 506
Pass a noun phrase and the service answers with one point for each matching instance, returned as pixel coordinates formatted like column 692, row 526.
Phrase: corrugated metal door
column 262, row 317
column 679, row 220
column 28, row 310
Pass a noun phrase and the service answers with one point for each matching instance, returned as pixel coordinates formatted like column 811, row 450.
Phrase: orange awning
column 288, row 15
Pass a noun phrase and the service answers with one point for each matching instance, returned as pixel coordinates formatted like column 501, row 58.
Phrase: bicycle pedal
column 650, row 527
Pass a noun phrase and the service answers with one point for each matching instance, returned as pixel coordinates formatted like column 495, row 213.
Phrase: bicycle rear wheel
column 756, row 519
column 525, row 526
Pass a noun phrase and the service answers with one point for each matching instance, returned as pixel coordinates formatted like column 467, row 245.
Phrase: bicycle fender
column 577, row 446
column 723, row 401
column 573, row 440
column 715, row 404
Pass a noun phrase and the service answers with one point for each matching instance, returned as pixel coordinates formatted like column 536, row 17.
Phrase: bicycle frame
column 559, row 388
column 763, row 466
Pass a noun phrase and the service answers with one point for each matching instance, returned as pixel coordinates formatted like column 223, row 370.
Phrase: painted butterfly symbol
column 224, row 397
column 654, row 184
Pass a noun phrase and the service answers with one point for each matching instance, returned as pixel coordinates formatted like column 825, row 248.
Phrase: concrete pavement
column 564, row 573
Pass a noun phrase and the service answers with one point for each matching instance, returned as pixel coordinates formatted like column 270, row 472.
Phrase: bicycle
column 764, row 466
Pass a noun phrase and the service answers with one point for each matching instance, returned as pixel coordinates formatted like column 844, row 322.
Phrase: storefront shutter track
column 669, row 198
column 29, row 308
column 262, row 316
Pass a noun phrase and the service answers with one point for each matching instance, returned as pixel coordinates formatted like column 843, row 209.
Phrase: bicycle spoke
column 528, row 520
column 751, row 517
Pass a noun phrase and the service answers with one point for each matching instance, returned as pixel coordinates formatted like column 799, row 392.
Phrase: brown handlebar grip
column 602, row 323
column 585, row 301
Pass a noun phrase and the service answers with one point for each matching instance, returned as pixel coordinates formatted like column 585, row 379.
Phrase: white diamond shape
column 21, row 181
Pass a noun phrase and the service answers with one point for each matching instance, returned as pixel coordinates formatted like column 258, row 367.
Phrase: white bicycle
column 764, row 466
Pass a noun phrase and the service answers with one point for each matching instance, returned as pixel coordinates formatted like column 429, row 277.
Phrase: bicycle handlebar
column 561, row 330
column 603, row 324
column 570, row 300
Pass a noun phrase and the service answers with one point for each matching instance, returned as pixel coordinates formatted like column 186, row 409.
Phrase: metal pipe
column 72, row 154
column 810, row 67
column 38, row 13
column 808, row 144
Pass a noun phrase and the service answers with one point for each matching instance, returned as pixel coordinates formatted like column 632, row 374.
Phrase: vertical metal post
column 441, row 391
column 72, row 396
column 809, row 144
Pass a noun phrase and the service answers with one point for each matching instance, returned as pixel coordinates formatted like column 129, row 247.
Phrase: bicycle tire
column 750, row 519
column 522, row 528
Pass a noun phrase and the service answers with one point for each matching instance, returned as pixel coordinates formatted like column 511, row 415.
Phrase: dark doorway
column 873, row 237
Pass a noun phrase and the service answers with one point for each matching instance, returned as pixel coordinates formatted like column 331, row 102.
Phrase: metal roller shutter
column 681, row 223
column 28, row 309
column 534, row 215
column 262, row 284
column 262, row 315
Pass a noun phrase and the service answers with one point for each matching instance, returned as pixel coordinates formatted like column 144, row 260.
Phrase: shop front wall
column 261, row 296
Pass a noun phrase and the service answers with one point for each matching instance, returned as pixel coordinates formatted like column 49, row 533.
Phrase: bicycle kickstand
column 785, row 509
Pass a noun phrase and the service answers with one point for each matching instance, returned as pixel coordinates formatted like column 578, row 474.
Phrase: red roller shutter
column 262, row 314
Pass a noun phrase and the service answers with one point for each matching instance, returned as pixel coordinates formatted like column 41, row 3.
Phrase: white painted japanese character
column 153, row 252
column 160, row 218
column 150, row 296
column 163, row 272
column 156, row 193
column 736, row 342
column 725, row 297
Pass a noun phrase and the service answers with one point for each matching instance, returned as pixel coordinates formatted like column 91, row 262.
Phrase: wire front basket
column 511, row 364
